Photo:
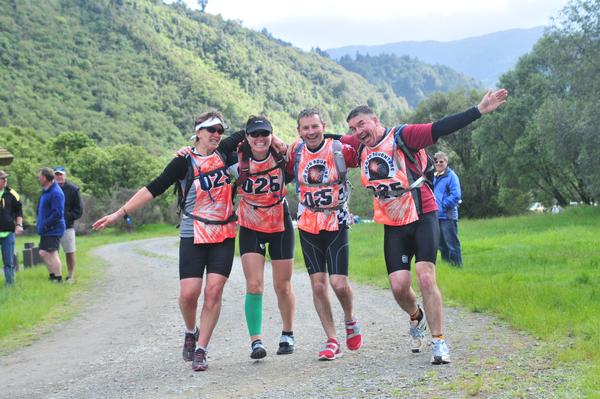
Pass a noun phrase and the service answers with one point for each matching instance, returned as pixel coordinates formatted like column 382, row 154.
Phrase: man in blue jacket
column 446, row 188
column 50, row 222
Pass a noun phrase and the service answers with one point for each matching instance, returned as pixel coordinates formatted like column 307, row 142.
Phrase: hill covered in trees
column 409, row 77
column 138, row 71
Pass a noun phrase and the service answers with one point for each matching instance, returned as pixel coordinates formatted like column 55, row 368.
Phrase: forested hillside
column 409, row 77
column 138, row 71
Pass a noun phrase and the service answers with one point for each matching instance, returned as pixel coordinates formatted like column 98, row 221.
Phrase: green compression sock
column 253, row 308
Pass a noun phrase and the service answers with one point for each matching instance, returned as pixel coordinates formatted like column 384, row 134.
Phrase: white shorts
column 67, row 241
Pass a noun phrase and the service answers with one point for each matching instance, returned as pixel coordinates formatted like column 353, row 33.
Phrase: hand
column 184, row 151
column 278, row 145
column 107, row 220
column 492, row 100
column 18, row 230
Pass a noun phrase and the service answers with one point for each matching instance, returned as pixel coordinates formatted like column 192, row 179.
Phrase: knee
column 339, row 285
column 283, row 288
column 400, row 288
column 212, row 295
column 254, row 287
column 320, row 289
column 427, row 282
column 188, row 299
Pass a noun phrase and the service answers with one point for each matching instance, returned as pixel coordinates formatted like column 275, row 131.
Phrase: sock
column 440, row 336
column 350, row 322
column 253, row 309
column 417, row 315
column 58, row 278
column 191, row 331
column 51, row 276
column 288, row 333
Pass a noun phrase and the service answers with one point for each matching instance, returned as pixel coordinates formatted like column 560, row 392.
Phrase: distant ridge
column 484, row 58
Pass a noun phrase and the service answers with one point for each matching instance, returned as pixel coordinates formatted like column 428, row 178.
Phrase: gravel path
column 127, row 344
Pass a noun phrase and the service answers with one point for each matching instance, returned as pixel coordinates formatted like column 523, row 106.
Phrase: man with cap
column 50, row 222
column 73, row 211
column 11, row 223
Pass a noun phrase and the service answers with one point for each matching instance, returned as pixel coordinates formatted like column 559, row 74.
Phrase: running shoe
column 258, row 350
column 189, row 345
column 286, row 345
column 330, row 350
column 417, row 332
column 353, row 335
column 440, row 352
column 200, row 363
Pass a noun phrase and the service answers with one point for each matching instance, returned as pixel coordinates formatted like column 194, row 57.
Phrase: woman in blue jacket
column 446, row 188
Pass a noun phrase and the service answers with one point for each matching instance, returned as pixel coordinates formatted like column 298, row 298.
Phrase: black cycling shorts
column 281, row 244
column 326, row 252
column 195, row 258
column 49, row 243
column 419, row 239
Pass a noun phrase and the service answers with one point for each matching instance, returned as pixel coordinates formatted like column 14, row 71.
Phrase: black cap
column 257, row 123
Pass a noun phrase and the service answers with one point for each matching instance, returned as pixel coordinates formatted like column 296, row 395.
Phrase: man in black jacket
column 73, row 211
column 11, row 223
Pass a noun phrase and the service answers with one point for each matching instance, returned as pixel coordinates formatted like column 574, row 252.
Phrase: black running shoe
column 189, row 345
column 286, row 345
column 200, row 363
column 258, row 350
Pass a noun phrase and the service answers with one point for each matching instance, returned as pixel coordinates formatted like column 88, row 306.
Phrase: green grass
column 540, row 273
column 33, row 305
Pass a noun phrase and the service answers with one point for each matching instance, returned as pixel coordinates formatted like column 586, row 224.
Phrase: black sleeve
column 332, row 136
column 232, row 158
column 452, row 123
column 175, row 171
column 76, row 205
column 229, row 144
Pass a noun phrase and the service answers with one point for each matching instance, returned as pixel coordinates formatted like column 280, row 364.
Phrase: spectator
column 446, row 188
column 50, row 222
column 11, row 223
column 73, row 211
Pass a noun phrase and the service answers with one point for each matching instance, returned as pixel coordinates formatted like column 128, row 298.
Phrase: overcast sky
column 329, row 23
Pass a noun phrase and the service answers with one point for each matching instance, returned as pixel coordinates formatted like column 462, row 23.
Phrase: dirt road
column 127, row 344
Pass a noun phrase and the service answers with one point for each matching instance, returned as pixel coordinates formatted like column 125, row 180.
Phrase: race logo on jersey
column 378, row 166
column 316, row 172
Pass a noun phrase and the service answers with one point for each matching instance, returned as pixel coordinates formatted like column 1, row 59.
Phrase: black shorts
column 419, row 239
column 281, row 244
column 49, row 243
column 326, row 252
column 195, row 258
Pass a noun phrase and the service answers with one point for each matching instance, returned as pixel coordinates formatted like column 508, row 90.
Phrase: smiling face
column 208, row 139
column 366, row 128
column 311, row 130
column 440, row 164
column 259, row 145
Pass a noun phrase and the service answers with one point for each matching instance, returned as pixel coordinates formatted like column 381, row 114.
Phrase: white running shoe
column 417, row 332
column 440, row 352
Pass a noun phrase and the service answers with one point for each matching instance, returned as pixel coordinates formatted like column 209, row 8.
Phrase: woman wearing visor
column 207, row 229
column 264, row 219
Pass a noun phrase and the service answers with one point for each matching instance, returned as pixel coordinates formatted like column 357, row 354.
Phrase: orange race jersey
column 383, row 169
column 323, row 197
column 209, row 198
column 261, row 197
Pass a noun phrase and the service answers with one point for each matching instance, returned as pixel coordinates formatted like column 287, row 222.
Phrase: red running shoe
column 330, row 350
column 353, row 335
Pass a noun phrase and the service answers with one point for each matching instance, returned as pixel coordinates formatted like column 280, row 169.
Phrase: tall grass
column 34, row 304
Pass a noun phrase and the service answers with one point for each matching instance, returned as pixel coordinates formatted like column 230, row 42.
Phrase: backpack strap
column 297, row 152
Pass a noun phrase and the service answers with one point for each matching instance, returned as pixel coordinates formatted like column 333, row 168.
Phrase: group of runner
column 255, row 164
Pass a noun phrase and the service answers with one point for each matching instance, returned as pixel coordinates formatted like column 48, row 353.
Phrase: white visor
column 208, row 123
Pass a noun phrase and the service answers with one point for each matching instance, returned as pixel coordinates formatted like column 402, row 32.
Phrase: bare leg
column 189, row 292
column 211, row 309
column 71, row 263
column 343, row 291
column 286, row 300
column 403, row 293
column 432, row 298
column 52, row 261
column 320, row 288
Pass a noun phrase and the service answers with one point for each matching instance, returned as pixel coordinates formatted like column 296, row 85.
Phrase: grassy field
column 33, row 305
column 540, row 273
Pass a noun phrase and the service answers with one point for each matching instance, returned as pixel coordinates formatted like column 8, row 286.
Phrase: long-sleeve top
column 446, row 188
column 50, row 212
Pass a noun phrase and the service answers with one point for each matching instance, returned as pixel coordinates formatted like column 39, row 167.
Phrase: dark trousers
column 449, row 243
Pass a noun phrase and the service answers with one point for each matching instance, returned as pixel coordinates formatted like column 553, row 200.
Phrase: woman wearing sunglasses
column 264, row 218
column 207, row 229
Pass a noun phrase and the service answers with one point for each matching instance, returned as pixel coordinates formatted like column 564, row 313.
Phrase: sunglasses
column 259, row 133
column 440, row 161
column 212, row 129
